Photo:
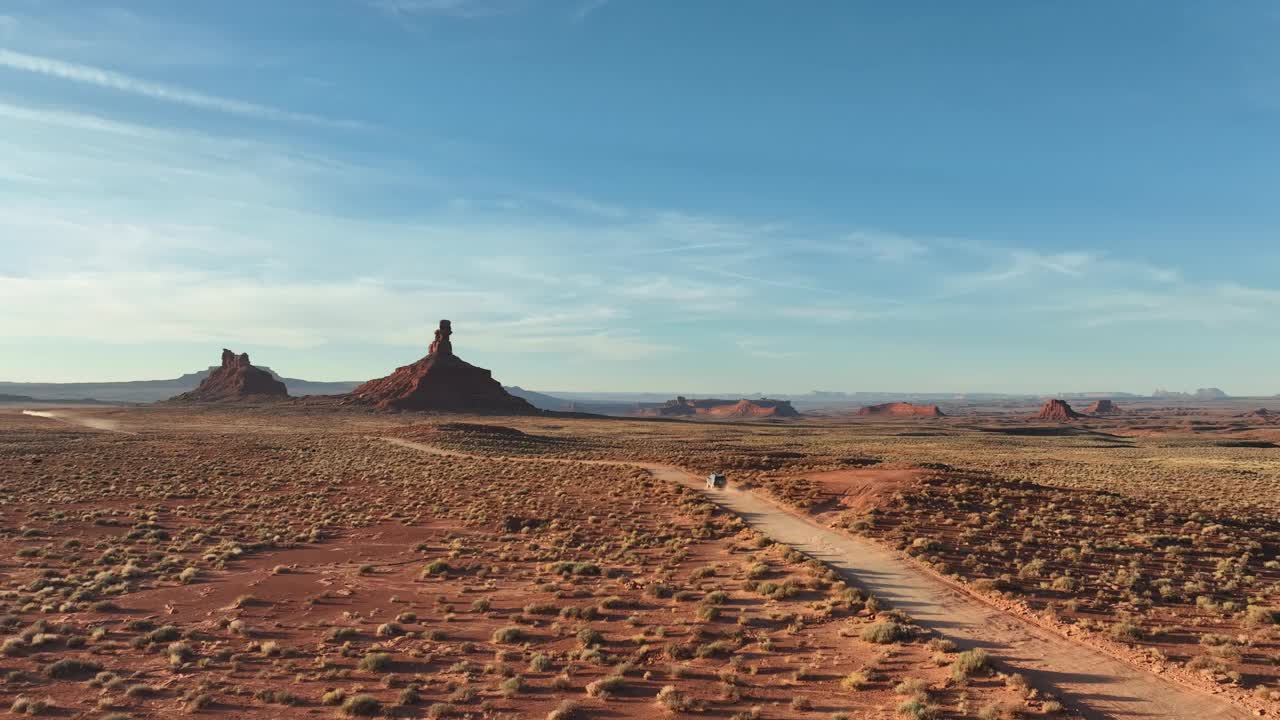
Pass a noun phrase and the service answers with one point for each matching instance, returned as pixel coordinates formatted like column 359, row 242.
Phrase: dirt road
column 1098, row 685
column 97, row 423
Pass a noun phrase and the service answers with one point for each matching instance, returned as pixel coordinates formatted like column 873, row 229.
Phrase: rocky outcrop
column 1056, row 411
column 234, row 380
column 440, row 381
column 901, row 409
column 1103, row 407
column 711, row 407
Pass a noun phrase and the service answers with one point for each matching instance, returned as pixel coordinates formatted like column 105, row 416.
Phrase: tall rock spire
column 440, row 381
column 442, row 345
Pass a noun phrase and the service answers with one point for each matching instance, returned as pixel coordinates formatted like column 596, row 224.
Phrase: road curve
column 1096, row 684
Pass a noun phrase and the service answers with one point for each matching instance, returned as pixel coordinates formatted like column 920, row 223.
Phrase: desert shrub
column 509, row 634
column 278, row 697
column 588, row 637
column 604, row 687
column 512, row 686
column 1126, row 631
column 436, row 567
column 918, row 709
column 409, row 696
column 375, row 662
column 29, row 706
column 442, row 710
column 854, row 681
column 885, row 633
column 672, row 699
column 566, row 710
column 343, row 633
column 539, row 663
column 586, row 569
column 1257, row 615
column 71, row 667
column 969, row 663
column 139, row 691
column 165, row 634
column 994, row 711
column 361, row 706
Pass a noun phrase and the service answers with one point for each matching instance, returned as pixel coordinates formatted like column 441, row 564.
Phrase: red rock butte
column 440, row 381
column 901, row 409
column 236, row 379
column 1103, row 407
column 1055, row 410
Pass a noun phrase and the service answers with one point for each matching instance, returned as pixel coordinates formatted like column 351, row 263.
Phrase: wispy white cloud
column 103, row 78
column 1021, row 266
column 766, row 348
column 175, row 305
column 585, row 9
column 461, row 9
column 829, row 313
column 874, row 245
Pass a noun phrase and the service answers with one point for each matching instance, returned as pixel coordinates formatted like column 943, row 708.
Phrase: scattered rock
column 901, row 409
column 235, row 380
column 440, row 381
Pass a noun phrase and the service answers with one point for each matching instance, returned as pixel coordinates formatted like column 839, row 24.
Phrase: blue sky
column 642, row 195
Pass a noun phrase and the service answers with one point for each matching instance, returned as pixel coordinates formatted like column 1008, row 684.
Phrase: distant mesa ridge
column 1209, row 393
column 1055, row 410
column 236, row 379
column 901, row 409
column 440, row 381
column 713, row 407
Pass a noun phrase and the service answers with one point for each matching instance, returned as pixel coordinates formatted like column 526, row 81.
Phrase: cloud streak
column 460, row 9
column 111, row 80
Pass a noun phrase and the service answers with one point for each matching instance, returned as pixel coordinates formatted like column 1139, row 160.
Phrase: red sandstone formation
column 236, row 379
column 901, row 409
column 1103, row 407
column 440, row 381
column 1056, row 411
column 683, row 407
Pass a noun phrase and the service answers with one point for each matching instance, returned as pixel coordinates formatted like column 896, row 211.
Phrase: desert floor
column 284, row 562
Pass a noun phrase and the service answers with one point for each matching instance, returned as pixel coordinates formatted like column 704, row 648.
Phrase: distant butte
column 440, row 381
column 711, row 407
column 235, row 380
column 1103, row 407
column 901, row 409
column 1056, row 411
